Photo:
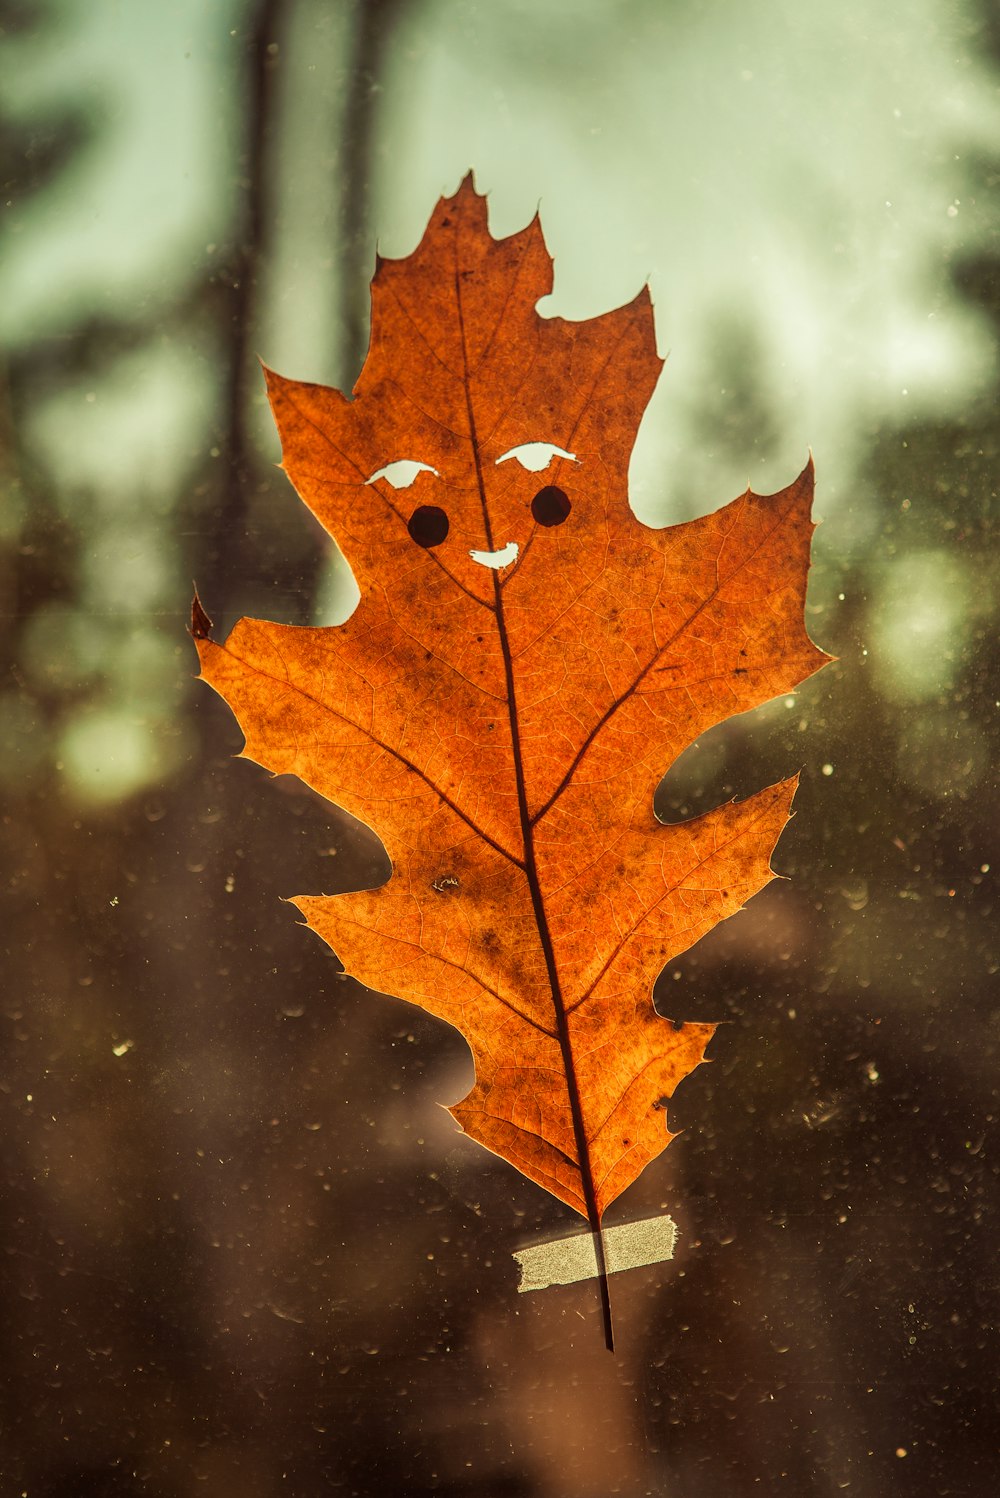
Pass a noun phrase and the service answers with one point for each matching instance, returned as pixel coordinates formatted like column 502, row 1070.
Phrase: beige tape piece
column 649, row 1241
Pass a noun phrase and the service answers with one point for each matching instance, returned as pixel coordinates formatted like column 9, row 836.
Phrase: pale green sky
column 124, row 226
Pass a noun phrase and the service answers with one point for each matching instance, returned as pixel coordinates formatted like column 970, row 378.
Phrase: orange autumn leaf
column 525, row 663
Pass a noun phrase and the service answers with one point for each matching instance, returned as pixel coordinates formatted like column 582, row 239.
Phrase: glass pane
column 247, row 1250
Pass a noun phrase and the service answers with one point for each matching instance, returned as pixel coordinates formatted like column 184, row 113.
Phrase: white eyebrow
column 534, row 456
column 401, row 473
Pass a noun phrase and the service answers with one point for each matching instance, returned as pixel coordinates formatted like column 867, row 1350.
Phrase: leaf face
column 526, row 662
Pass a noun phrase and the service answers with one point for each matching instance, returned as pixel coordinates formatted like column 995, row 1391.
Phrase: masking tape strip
column 627, row 1246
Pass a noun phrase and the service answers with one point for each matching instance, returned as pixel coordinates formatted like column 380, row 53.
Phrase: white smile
column 496, row 558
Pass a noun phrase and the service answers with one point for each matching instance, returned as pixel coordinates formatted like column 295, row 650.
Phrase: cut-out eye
column 428, row 525
column 534, row 456
column 401, row 473
column 550, row 506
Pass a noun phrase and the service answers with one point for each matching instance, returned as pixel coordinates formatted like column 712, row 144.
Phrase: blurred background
column 244, row 1251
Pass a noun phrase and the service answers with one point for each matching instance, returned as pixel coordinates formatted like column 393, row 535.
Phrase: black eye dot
column 428, row 525
column 550, row 506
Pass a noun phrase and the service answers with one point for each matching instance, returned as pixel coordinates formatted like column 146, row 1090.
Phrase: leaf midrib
column 530, row 864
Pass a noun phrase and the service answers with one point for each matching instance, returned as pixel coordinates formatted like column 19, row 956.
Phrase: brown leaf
column 502, row 721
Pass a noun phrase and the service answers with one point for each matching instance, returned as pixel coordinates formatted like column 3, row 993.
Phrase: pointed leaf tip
column 200, row 627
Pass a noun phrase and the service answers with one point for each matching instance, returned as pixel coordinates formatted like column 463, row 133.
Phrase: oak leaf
column 526, row 661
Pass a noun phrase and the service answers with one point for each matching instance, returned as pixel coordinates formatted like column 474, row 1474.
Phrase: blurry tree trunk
column 374, row 22
column 225, row 537
column 226, row 557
